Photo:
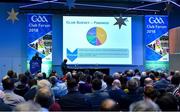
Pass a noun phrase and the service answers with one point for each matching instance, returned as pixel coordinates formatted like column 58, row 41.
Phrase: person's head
column 44, row 97
column 10, row 73
column 143, row 74
column 53, row 73
column 176, row 79
column 143, row 106
column 75, row 74
column 116, row 75
column 27, row 106
column 65, row 60
column 116, row 84
column 109, row 105
column 53, row 80
column 96, row 84
column 167, row 102
column 33, row 58
column 72, row 85
column 109, row 80
column 148, row 81
column 23, row 79
column 172, row 73
column 83, row 77
column 132, row 84
column 130, row 73
column 69, row 75
column 162, row 75
column 150, row 92
column 44, row 83
column 39, row 76
column 89, row 79
column 98, row 75
column 8, row 84
column 32, row 82
column 87, row 72
column 37, row 54
column 136, row 71
column 28, row 74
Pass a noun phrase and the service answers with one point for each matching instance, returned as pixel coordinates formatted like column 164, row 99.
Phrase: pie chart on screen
column 96, row 36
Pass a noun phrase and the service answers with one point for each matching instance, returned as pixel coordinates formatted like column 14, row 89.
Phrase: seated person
column 10, row 97
column 74, row 100
column 97, row 96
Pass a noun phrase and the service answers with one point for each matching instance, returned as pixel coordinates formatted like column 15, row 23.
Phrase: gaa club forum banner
column 156, row 43
column 39, row 40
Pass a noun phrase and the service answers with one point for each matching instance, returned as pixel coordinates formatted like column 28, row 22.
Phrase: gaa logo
column 38, row 18
column 156, row 20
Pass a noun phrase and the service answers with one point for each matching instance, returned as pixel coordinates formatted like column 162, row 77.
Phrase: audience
column 131, row 90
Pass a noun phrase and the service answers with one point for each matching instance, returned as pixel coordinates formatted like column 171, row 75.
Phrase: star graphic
column 12, row 15
column 120, row 21
column 70, row 3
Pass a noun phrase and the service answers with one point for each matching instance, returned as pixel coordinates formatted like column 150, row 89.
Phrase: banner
column 156, row 43
column 39, row 41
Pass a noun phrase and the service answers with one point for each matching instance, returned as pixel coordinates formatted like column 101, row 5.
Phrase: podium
column 91, row 70
column 35, row 66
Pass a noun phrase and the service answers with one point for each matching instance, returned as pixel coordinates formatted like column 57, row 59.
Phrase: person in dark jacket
column 74, row 100
column 97, row 96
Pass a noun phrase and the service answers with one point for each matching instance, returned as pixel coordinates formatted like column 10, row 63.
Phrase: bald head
column 108, row 105
column 116, row 84
column 148, row 81
column 44, row 83
column 44, row 97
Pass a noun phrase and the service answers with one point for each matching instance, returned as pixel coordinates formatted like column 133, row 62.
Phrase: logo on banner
column 72, row 55
column 39, row 18
column 156, row 20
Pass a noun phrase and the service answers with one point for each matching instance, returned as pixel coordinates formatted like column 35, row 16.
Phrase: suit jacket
column 96, row 99
column 74, row 101
column 31, row 93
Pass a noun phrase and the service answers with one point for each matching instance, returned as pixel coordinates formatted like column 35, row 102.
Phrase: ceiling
column 94, row 6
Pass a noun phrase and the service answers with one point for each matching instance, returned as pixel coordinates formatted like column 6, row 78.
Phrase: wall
column 174, row 35
column 12, row 41
column 13, row 45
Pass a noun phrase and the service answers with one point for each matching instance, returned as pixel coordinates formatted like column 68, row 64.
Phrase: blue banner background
column 38, row 26
column 156, row 26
